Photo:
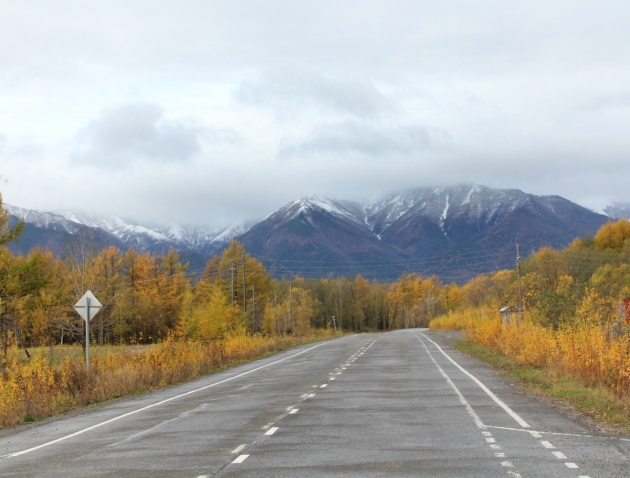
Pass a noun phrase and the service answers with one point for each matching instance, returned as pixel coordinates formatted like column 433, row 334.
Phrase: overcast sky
column 210, row 112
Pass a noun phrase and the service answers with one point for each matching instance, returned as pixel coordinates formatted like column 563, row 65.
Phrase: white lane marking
column 537, row 434
column 486, row 434
column 500, row 455
column 495, row 447
column 491, row 440
column 463, row 401
column 331, row 378
column 324, row 386
column 496, row 399
column 294, row 411
column 559, row 455
column 339, row 373
column 514, row 474
column 203, row 476
column 240, row 459
column 271, row 431
column 507, row 464
column 546, row 444
column 304, row 396
column 289, row 408
column 238, row 449
column 268, row 425
column 311, row 395
column 571, row 465
column 161, row 402
column 584, row 476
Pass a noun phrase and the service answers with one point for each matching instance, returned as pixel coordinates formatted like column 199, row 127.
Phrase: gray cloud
column 138, row 131
column 289, row 92
column 362, row 138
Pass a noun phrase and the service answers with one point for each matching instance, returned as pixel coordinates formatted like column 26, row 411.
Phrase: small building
column 508, row 314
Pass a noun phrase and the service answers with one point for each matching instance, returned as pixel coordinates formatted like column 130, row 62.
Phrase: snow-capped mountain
column 446, row 231
column 618, row 211
column 143, row 238
column 332, row 236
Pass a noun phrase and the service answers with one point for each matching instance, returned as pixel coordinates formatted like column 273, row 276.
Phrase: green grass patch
column 597, row 402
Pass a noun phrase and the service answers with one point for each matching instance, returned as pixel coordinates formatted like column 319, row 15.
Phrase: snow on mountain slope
column 141, row 237
column 348, row 210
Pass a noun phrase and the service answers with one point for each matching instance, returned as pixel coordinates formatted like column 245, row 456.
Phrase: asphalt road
column 397, row 404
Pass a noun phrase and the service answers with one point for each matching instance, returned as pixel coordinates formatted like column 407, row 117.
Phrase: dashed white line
column 161, row 402
column 571, row 465
column 546, row 444
column 271, row 431
column 238, row 449
column 311, row 395
column 294, row 411
column 559, row 455
column 323, row 386
column 240, row 459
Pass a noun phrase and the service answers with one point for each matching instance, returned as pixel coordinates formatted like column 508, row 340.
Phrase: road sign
column 88, row 306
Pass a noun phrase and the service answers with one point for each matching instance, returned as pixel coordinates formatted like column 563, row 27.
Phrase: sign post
column 87, row 307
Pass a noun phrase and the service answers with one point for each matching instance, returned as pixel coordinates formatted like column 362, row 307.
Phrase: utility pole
column 290, row 304
column 244, row 286
column 275, row 306
column 4, row 328
column 253, row 309
column 232, row 273
column 520, row 289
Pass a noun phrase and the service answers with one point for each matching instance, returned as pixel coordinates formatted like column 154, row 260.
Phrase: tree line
column 147, row 297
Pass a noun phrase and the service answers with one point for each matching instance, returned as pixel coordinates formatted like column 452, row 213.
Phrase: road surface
column 395, row 404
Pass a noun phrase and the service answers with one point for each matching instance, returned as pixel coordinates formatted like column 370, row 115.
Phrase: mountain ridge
column 403, row 232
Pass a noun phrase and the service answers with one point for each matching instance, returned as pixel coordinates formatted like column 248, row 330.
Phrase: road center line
column 133, row 412
column 497, row 400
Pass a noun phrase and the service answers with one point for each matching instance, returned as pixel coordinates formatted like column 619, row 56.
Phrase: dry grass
column 581, row 361
column 38, row 388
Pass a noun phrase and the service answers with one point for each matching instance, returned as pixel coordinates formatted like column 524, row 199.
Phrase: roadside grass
column 597, row 402
column 60, row 352
column 31, row 390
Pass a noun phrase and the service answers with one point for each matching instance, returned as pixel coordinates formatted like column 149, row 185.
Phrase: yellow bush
column 37, row 388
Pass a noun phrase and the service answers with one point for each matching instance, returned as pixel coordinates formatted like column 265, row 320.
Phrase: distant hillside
column 454, row 232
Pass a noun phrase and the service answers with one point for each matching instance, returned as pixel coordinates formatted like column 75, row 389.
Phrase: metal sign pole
column 87, row 333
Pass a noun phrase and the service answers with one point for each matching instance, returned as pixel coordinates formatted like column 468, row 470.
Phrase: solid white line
column 463, row 401
column 240, row 459
column 271, row 431
column 124, row 415
column 238, row 449
column 497, row 400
